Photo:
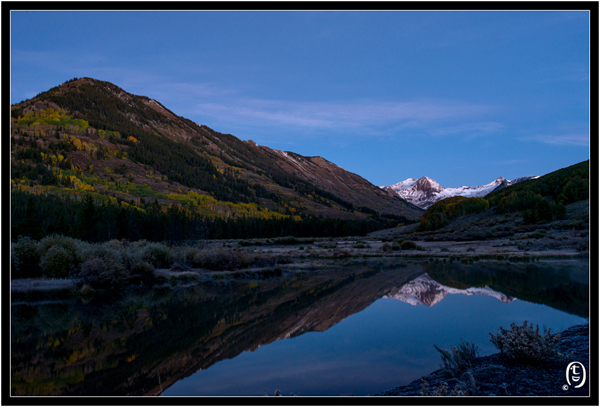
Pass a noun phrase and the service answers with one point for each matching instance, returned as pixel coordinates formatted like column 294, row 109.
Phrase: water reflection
column 349, row 333
column 425, row 290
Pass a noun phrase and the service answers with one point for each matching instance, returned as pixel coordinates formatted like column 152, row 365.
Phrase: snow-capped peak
column 403, row 184
column 426, row 183
column 424, row 192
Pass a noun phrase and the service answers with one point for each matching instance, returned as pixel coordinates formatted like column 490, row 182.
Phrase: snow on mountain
column 425, row 290
column 424, row 192
column 402, row 185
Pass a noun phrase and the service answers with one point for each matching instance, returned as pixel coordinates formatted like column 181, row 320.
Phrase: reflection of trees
column 123, row 348
column 120, row 348
column 554, row 283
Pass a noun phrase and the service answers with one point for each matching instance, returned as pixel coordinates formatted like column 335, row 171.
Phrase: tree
column 87, row 223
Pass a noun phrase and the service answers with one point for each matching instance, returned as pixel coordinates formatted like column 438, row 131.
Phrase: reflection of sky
column 388, row 344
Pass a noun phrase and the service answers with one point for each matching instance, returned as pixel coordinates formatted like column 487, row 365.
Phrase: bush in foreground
column 524, row 344
column 460, row 359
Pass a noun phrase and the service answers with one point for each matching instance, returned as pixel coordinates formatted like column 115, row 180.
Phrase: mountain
column 88, row 137
column 425, row 290
column 424, row 192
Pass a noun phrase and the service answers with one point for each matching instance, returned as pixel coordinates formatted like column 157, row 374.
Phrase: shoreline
column 303, row 263
column 496, row 377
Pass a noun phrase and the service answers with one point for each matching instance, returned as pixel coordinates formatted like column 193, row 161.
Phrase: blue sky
column 461, row 97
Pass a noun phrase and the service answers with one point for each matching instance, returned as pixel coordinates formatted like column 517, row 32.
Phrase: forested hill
column 538, row 200
column 89, row 138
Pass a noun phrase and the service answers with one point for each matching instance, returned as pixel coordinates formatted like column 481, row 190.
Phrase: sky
column 460, row 97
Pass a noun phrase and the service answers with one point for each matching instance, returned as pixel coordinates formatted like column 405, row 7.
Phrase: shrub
column 410, row 245
column 57, row 262
column 219, row 259
column 25, row 258
column 87, row 291
column 185, row 255
column 158, row 255
column 287, row 240
column 361, row 245
column 524, row 344
column 341, row 253
column 67, row 243
column 386, row 247
column 328, row 245
column 101, row 275
column 142, row 273
column 114, row 244
column 140, row 243
column 460, row 359
column 111, row 257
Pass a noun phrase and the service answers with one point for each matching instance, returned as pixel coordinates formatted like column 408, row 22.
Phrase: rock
column 495, row 375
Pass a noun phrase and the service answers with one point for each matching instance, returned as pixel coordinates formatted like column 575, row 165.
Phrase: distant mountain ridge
column 424, row 192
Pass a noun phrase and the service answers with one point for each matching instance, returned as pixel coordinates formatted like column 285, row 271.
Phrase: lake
column 349, row 328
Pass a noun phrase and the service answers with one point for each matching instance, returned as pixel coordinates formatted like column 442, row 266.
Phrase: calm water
column 357, row 329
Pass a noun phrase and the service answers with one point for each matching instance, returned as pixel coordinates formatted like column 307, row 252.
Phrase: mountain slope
column 424, row 192
column 91, row 137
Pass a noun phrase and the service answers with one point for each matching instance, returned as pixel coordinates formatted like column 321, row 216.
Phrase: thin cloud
column 358, row 114
column 473, row 129
column 580, row 140
column 209, row 102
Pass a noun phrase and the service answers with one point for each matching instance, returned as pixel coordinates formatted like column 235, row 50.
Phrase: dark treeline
column 544, row 199
column 539, row 200
column 442, row 212
column 37, row 216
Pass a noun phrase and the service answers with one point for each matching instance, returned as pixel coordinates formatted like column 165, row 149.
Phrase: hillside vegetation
column 544, row 198
column 537, row 200
column 91, row 161
column 442, row 212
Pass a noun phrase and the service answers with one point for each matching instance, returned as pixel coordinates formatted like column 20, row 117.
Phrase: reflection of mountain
column 425, row 290
column 562, row 285
column 143, row 346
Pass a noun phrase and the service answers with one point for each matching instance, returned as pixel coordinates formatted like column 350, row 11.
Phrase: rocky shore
column 495, row 376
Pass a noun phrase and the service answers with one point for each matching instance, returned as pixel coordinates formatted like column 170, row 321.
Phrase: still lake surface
column 354, row 328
